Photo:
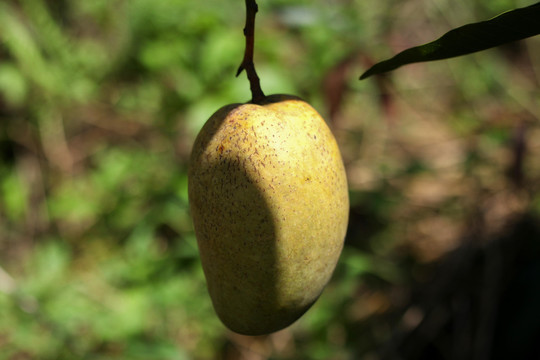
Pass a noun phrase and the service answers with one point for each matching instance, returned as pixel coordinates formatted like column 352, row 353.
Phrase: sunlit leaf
column 510, row 26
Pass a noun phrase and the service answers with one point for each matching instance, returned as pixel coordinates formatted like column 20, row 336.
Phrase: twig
column 519, row 147
column 247, row 64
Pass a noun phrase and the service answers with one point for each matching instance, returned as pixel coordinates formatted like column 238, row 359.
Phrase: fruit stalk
column 247, row 63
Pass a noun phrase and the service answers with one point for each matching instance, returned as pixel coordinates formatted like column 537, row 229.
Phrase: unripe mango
column 269, row 201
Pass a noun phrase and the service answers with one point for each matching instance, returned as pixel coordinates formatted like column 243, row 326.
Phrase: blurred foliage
column 100, row 102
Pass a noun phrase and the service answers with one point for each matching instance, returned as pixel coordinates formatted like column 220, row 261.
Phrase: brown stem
column 247, row 64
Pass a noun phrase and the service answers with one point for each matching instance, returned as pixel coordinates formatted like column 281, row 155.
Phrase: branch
column 247, row 64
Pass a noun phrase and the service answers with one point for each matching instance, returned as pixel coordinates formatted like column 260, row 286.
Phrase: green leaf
column 13, row 85
column 14, row 193
column 509, row 26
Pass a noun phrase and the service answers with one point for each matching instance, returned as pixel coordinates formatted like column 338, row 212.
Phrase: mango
column 269, row 202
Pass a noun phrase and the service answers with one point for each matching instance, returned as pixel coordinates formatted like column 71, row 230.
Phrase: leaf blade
column 509, row 26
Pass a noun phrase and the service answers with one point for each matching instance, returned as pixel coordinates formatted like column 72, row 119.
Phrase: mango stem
column 247, row 63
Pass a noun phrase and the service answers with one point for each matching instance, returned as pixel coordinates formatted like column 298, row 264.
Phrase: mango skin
column 269, row 202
